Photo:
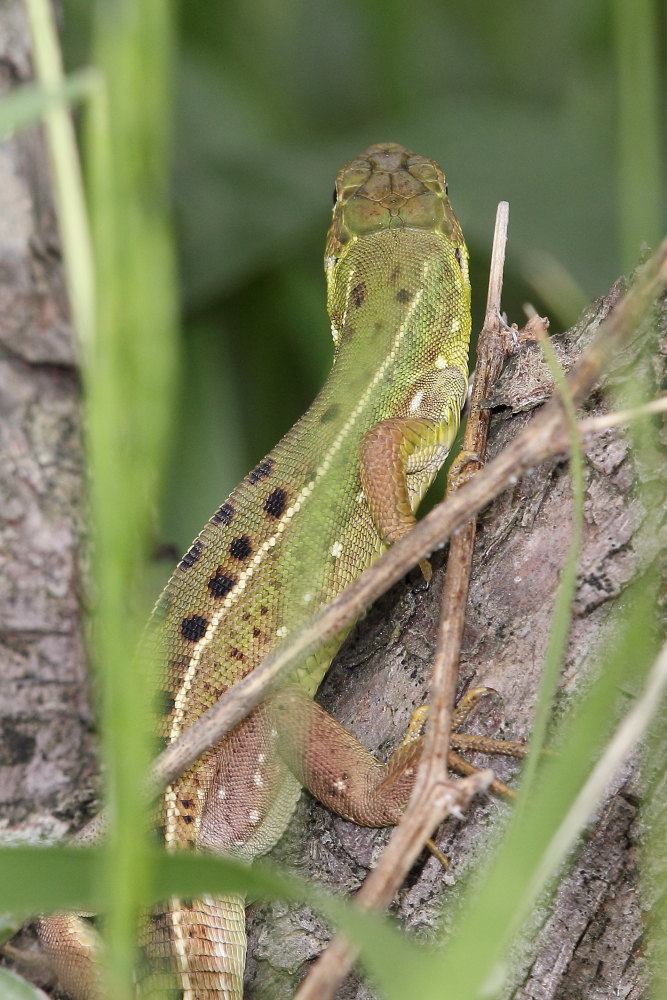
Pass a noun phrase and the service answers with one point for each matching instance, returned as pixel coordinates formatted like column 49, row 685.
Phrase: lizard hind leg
column 342, row 774
column 73, row 949
column 336, row 768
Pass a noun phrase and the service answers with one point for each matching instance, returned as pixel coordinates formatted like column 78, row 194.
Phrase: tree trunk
column 588, row 944
column 47, row 761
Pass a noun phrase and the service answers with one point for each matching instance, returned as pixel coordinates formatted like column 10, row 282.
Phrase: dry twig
column 435, row 796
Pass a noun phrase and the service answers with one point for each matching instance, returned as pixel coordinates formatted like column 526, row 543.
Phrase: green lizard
column 340, row 486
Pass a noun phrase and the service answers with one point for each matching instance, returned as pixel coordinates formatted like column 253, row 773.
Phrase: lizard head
column 388, row 187
column 396, row 255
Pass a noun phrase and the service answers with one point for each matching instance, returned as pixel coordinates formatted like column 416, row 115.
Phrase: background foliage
column 552, row 108
column 517, row 101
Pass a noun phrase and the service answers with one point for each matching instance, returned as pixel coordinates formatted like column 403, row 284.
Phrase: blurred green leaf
column 13, row 987
column 27, row 104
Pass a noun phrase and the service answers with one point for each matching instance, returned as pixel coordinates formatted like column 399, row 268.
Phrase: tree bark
column 588, row 943
column 47, row 761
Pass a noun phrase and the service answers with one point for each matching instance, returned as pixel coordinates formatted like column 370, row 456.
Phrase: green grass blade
column 129, row 394
column 41, row 879
column 66, row 878
column 28, row 103
column 640, row 183
column 70, row 202
column 12, row 987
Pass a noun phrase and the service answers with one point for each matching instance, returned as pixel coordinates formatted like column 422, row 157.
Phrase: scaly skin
column 340, row 486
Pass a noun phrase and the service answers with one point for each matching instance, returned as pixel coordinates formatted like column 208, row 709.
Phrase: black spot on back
column 236, row 654
column 358, row 294
column 459, row 258
column 224, row 514
column 221, row 584
column 330, row 413
column 166, row 702
column 194, row 628
column 240, row 547
column 403, row 295
column 274, row 504
column 192, row 555
column 261, row 471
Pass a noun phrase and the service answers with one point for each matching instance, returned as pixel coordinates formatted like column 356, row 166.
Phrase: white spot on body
column 258, row 779
column 261, row 757
column 441, row 362
column 340, row 785
column 222, row 793
column 281, row 632
column 253, row 816
column 336, row 549
column 416, row 400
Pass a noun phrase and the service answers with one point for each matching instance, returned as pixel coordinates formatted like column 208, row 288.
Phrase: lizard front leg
column 398, row 460
column 73, row 949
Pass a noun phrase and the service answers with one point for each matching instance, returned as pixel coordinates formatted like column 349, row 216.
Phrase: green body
column 339, row 487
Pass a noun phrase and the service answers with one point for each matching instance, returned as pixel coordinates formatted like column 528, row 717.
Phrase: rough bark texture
column 589, row 941
column 46, row 758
